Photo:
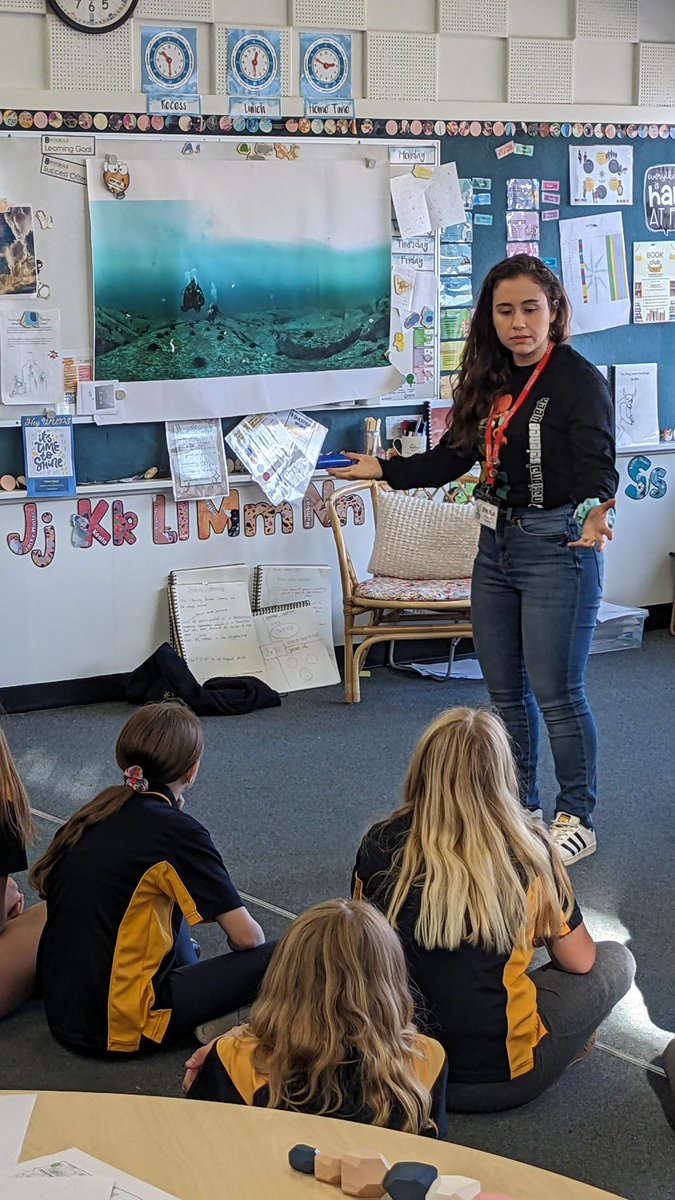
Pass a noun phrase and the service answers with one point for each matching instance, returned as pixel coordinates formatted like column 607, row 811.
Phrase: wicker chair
column 396, row 609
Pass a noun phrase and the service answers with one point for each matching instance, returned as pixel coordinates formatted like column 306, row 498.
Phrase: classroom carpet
column 287, row 794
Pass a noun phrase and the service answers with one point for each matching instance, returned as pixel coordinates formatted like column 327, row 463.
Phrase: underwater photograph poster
column 229, row 287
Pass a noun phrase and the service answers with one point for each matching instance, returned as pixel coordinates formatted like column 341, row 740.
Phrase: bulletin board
column 549, row 161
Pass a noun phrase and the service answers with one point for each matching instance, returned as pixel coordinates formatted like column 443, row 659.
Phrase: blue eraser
column 333, row 460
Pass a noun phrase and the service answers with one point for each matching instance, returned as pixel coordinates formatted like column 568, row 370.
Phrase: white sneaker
column 212, row 1029
column 535, row 814
column 573, row 839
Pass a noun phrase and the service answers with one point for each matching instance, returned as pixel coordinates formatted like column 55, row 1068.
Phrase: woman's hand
column 596, row 529
column 14, row 900
column 194, row 1065
column 366, row 466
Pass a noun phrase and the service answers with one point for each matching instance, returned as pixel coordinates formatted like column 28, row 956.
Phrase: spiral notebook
column 217, row 633
column 286, row 584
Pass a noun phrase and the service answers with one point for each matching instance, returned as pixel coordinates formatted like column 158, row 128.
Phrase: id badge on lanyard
column 487, row 512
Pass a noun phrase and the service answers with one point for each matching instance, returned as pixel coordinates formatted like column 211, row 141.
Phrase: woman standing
column 539, row 418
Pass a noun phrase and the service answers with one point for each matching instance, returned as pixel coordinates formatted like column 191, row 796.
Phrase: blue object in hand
column 334, row 459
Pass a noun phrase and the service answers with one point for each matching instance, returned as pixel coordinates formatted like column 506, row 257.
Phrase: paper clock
column 326, row 66
column 254, row 62
column 169, row 61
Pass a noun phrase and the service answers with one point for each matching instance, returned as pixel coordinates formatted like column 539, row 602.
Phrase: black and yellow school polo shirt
column 229, row 1075
column 481, row 1006
column 115, row 903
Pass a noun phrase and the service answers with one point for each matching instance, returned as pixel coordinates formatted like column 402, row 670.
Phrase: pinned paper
column 481, row 185
column 482, row 199
column 504, row 150
column 45, row 219
column 531, row 248
column 601, row 175
column 523, row 148
column 403, row 282
column 425, row 292
column 550, row 214
column 550, row 197
column 550, row 185
column 456, row 259
column 522, row 226
column 595, row 275
column 522, row 194
column 456, row 290
column 483, row 219
column 423, row 205
column 636, row 404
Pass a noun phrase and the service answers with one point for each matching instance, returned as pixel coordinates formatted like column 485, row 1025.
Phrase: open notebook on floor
column 217, row 633
column 283, row 584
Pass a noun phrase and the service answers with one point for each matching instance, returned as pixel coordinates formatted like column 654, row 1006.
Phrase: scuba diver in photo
column 193, row 297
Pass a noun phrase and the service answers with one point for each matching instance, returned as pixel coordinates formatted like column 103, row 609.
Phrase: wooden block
column 410, row 1180
column 363, row 1176
column 328, row 1168
column 302, row 1158
column 454, row 1187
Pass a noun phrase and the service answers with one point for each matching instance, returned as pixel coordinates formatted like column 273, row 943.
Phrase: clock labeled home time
column 254, row 62
column 169, row 60
column 93, row 16
column 325, row 66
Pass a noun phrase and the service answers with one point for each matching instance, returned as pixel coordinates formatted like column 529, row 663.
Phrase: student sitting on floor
column 118, row 969
column 331, row 1032
column 19, row 931
column 472, row 883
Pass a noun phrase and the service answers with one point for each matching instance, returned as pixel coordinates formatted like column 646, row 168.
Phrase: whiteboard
column 65, row 249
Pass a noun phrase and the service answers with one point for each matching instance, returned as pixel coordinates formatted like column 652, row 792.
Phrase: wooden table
column 201, row 1151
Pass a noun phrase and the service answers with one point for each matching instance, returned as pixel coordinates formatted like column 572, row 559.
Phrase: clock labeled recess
column 93, row 16
column 169, row 63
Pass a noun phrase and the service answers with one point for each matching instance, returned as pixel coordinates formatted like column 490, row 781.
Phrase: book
column 218, row 634
column 283, row 584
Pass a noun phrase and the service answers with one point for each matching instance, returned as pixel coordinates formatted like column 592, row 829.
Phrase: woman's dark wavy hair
column 486, row 365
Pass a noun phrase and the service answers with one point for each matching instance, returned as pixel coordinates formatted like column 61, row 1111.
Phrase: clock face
column 254, row 62
column 169, row 60
column 93, row 16
column 326, row 65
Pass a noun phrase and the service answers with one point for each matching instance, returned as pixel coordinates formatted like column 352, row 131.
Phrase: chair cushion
column 416, row 538
column 384, row 587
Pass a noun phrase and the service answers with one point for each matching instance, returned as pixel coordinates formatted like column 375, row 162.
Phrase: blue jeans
column 534, row 605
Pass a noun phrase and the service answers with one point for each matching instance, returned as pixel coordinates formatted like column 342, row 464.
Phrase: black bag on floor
column 165, row 674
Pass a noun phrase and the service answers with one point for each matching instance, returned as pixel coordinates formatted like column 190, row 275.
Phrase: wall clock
column 326, row 66
column 254, row 63
column 169, row 61
column 93, row 16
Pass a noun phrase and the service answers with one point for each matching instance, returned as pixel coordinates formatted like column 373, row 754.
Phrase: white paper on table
column 402, row 287
column 636, row 404
column 31, row 367
column 593, row 258
column 444, row 197
column 73, row 1162
column 197, row 459
column 43, row 1186
column 15, row 1115
column 410, row 205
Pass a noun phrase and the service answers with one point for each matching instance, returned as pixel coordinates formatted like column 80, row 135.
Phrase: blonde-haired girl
column 331, row 1032
column 19, row 931
column 472, row 884
column 121, row 879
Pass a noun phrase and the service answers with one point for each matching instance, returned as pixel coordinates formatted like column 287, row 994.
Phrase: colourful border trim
column 116, row 122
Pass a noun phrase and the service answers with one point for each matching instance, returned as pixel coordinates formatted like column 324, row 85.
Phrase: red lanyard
column 495, row 434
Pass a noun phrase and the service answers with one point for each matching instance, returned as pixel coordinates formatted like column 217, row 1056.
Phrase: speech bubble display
column 659, row 198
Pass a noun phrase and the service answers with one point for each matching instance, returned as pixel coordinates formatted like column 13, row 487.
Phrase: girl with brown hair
column 19, row 930
column 331, row 1032
column 539, row 418
column 472, row 885
column 120, row 879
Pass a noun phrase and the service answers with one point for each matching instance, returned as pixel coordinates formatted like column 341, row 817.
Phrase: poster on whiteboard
column 247, row 284
column 636, row 404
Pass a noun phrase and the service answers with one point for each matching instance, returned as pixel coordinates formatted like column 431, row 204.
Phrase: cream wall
column 473, row 71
